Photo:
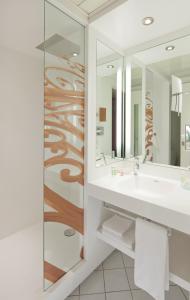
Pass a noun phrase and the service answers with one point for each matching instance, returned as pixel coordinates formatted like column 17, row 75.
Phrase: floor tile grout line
column 99, row 293
column 126, row 275
column 90, row 294
column 104, row 283
column 183, row 293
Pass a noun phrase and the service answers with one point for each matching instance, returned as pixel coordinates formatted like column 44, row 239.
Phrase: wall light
column 110, row 66
column 75, row 54
column 119, row 111
column 170, row 48
column 148, row 21
column 128, row 111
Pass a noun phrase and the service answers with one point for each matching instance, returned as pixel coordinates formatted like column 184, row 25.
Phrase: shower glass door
column 63, row 143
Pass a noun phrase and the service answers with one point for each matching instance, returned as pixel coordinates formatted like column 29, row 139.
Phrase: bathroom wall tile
column 116, row 280
column 93, row 284
column 128, row 261
column 114, row 261
column 130, row 275
column 93, row 297
column 119, row 296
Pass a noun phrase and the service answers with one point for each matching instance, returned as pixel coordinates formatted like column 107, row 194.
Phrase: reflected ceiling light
column 75, row 54
column 148, row 21
column 110, row 66
column 170, row 48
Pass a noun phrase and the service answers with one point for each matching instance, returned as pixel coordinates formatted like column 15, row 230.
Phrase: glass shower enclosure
column 64, row 97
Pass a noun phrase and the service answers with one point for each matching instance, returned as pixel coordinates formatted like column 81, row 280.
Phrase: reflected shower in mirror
column 167, row 103
column 109, row 103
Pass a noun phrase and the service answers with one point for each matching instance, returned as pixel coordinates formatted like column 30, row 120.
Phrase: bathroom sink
column 146, row 186
column 157, row 198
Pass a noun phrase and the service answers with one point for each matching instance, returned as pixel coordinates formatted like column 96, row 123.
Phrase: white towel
column 117, row 225
column 177, row 97
column 151, row 258
column 128, row 237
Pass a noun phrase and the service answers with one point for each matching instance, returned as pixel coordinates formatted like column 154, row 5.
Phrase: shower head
column 60, row 47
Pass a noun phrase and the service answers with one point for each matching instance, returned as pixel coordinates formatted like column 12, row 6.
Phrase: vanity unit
column 146, row 99
column 156, row 198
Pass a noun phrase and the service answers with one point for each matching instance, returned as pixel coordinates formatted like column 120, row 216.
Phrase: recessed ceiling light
column 75, row 54
column 170, row 48
column 110, row 66
column 148, row 21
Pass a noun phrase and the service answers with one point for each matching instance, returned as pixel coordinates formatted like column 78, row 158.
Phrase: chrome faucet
column 136, row 166
column 104, row 158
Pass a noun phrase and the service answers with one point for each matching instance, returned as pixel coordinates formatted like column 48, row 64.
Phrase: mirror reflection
column 187, row 137
column 167, row 102
column 136, row 109
column 109, row 101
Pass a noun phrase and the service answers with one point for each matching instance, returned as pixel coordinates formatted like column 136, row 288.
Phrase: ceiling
column 167, row 63
column 158, row 53
column 124, row 27
column 178, row 66
column 89, row 6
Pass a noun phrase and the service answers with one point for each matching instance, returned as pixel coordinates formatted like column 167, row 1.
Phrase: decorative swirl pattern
column 64, row 145
column 149, row 128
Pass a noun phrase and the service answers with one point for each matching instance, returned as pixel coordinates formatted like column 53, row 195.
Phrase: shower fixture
column 59, row 46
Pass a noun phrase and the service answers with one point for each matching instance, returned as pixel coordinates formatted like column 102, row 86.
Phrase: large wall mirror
column 109, row 105
column 145, row 112
column 167, row 102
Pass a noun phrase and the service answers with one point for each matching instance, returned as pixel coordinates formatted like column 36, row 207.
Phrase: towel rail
column 106, row 206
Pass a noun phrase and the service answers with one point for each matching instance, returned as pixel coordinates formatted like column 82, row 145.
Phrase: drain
column 69, row 232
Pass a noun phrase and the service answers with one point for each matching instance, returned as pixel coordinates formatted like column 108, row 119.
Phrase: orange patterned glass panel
column 64, row 146
column 149, row 127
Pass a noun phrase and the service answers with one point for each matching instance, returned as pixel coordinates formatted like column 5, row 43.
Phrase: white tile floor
column 114, row 280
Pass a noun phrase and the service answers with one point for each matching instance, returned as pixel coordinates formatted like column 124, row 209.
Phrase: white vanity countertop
column 161, row 200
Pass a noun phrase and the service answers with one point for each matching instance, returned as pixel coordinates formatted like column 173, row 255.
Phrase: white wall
column 21, row 141
column 21, row 150
column 104, row 99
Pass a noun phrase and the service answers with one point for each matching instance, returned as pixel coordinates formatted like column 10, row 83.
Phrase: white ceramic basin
column 160, row 199
column 146, row 186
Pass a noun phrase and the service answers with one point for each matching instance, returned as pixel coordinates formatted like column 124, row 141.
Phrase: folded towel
column 128, row 237
column 151, row 258
column 117, row 225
